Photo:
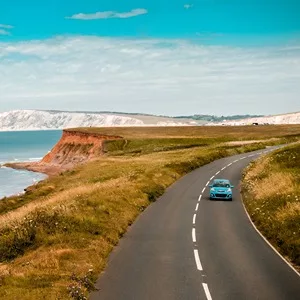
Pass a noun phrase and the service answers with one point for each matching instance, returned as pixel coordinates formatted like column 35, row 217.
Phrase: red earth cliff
column 73, row 148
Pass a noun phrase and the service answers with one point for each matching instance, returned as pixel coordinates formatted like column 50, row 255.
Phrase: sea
column 23, row 146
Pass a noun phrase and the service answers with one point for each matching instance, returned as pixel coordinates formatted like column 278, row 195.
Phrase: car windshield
column 221, row 184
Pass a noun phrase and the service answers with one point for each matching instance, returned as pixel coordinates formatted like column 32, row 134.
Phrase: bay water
column 23, row 146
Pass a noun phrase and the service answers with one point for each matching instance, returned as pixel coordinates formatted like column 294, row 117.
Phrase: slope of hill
column 292, row 118
column 213, row 118
column 18, row 120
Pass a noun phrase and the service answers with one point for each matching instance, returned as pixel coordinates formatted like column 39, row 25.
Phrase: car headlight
column 212, row 189
column 228, row 190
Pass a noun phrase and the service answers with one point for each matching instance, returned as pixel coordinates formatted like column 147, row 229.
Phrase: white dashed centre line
column 194, row 235
column 206, row 290
column 197, row 259
column 194, row 219
column 196, row 253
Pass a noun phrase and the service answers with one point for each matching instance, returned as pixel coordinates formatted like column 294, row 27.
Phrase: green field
column 55, row 239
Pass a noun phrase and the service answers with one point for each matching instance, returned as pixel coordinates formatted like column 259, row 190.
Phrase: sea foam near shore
column 20, row 147
column 13, row 182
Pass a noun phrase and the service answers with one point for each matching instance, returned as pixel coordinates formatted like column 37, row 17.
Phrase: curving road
column 185, row 246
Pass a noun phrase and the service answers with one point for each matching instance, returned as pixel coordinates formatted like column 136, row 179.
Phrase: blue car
column 220, row 189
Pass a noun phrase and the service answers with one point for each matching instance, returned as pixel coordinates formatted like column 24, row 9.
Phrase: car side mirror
column 210, row 185
column 232, row 186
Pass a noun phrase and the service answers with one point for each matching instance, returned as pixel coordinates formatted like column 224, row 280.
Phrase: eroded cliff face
column 76, row 147
column 73, row 148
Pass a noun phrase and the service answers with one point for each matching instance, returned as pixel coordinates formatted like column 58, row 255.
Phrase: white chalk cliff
column 18, row 120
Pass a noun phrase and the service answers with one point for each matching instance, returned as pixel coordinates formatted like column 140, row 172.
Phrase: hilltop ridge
column 19, row 120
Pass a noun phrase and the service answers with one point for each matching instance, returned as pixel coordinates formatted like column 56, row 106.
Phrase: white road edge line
column 274, row 249
column 194, row 235
column 206, row 290
column 200, row 197
column 217, row 172
column 203, row 190
column 197, row 207
column 207, row 183
column 197, row 259
column 194, row 219
column 223, row 168
column 229, row 165
column 212, row 177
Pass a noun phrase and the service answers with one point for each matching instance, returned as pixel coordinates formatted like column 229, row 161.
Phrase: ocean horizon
column 23, row 146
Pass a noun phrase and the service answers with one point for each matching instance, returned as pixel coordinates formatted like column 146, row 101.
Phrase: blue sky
column 246, row 20
column 191, row 53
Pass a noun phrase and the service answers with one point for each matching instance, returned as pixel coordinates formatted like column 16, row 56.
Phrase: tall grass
column 271, row 189
column 64, row 228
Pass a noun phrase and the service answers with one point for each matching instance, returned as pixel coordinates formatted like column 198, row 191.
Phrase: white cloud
column 4, row 32
column 109, row 15
column 155, row 76
column 3, row 29
column 6, row 26
column 188, row 6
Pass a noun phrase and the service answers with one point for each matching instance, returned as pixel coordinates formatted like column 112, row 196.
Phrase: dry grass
column 239, row 143
column 69, row 223
column 290, row 212
column 228, row 132
column 13, row 217
column 260, row 169
column 271, row 189
column 272, row 185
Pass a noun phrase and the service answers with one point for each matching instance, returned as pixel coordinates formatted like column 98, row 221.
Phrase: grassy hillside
column 55, row 239
column 220, row 132
column 272, row 196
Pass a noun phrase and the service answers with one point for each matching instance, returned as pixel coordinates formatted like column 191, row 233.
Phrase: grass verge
column 271, row 193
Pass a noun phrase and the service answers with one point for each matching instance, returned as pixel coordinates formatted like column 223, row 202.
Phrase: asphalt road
column 185, row 246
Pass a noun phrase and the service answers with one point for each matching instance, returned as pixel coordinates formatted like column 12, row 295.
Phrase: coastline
column 73, row 148
column 22, row 188
column 38, row 167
